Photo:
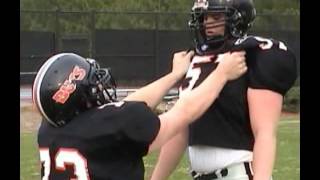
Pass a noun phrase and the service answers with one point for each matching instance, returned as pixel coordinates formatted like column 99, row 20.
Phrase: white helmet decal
column 200, row 4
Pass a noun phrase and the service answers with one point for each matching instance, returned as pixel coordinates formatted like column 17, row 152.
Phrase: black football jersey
column 104, row 143
column 271, row 65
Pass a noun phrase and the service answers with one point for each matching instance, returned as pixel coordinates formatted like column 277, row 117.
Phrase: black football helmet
column 239, row 16
column 68, row 84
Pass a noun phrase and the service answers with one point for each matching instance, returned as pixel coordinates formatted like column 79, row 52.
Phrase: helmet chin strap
column 216, row 39
column 213, row 44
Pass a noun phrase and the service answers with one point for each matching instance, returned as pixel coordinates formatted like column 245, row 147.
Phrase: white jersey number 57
column 268, row 43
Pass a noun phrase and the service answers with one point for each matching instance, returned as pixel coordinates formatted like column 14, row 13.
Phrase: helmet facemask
column 102, row 86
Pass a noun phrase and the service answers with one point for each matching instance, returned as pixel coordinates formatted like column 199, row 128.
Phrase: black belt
column 223, row 172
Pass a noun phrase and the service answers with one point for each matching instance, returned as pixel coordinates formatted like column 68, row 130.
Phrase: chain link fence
column 145, row 40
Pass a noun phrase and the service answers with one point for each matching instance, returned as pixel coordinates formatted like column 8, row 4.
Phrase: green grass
column 29, row 157
column 287, row 165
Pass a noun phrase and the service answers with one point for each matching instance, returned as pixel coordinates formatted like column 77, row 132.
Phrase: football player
column 87, row 134
column 235, row 139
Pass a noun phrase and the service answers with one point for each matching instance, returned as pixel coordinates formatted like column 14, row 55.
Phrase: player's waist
column 234, row 171
column 208, row 158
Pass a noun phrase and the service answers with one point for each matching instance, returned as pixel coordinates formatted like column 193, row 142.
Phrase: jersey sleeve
column 143, row 126
column 273, row 69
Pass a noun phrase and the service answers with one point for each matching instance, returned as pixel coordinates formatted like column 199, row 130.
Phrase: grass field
column 287, row 165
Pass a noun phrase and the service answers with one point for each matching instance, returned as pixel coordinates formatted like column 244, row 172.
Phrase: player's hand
column 180, row 63
column 233, row 64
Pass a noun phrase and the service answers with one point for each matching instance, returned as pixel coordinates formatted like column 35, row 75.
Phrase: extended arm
column 153, row 93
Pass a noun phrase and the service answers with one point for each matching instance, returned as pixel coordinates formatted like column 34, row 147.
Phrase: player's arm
column 265, row 110
column 193, row 104
column 153, row 93
column 270, row 76
column 170, row 155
